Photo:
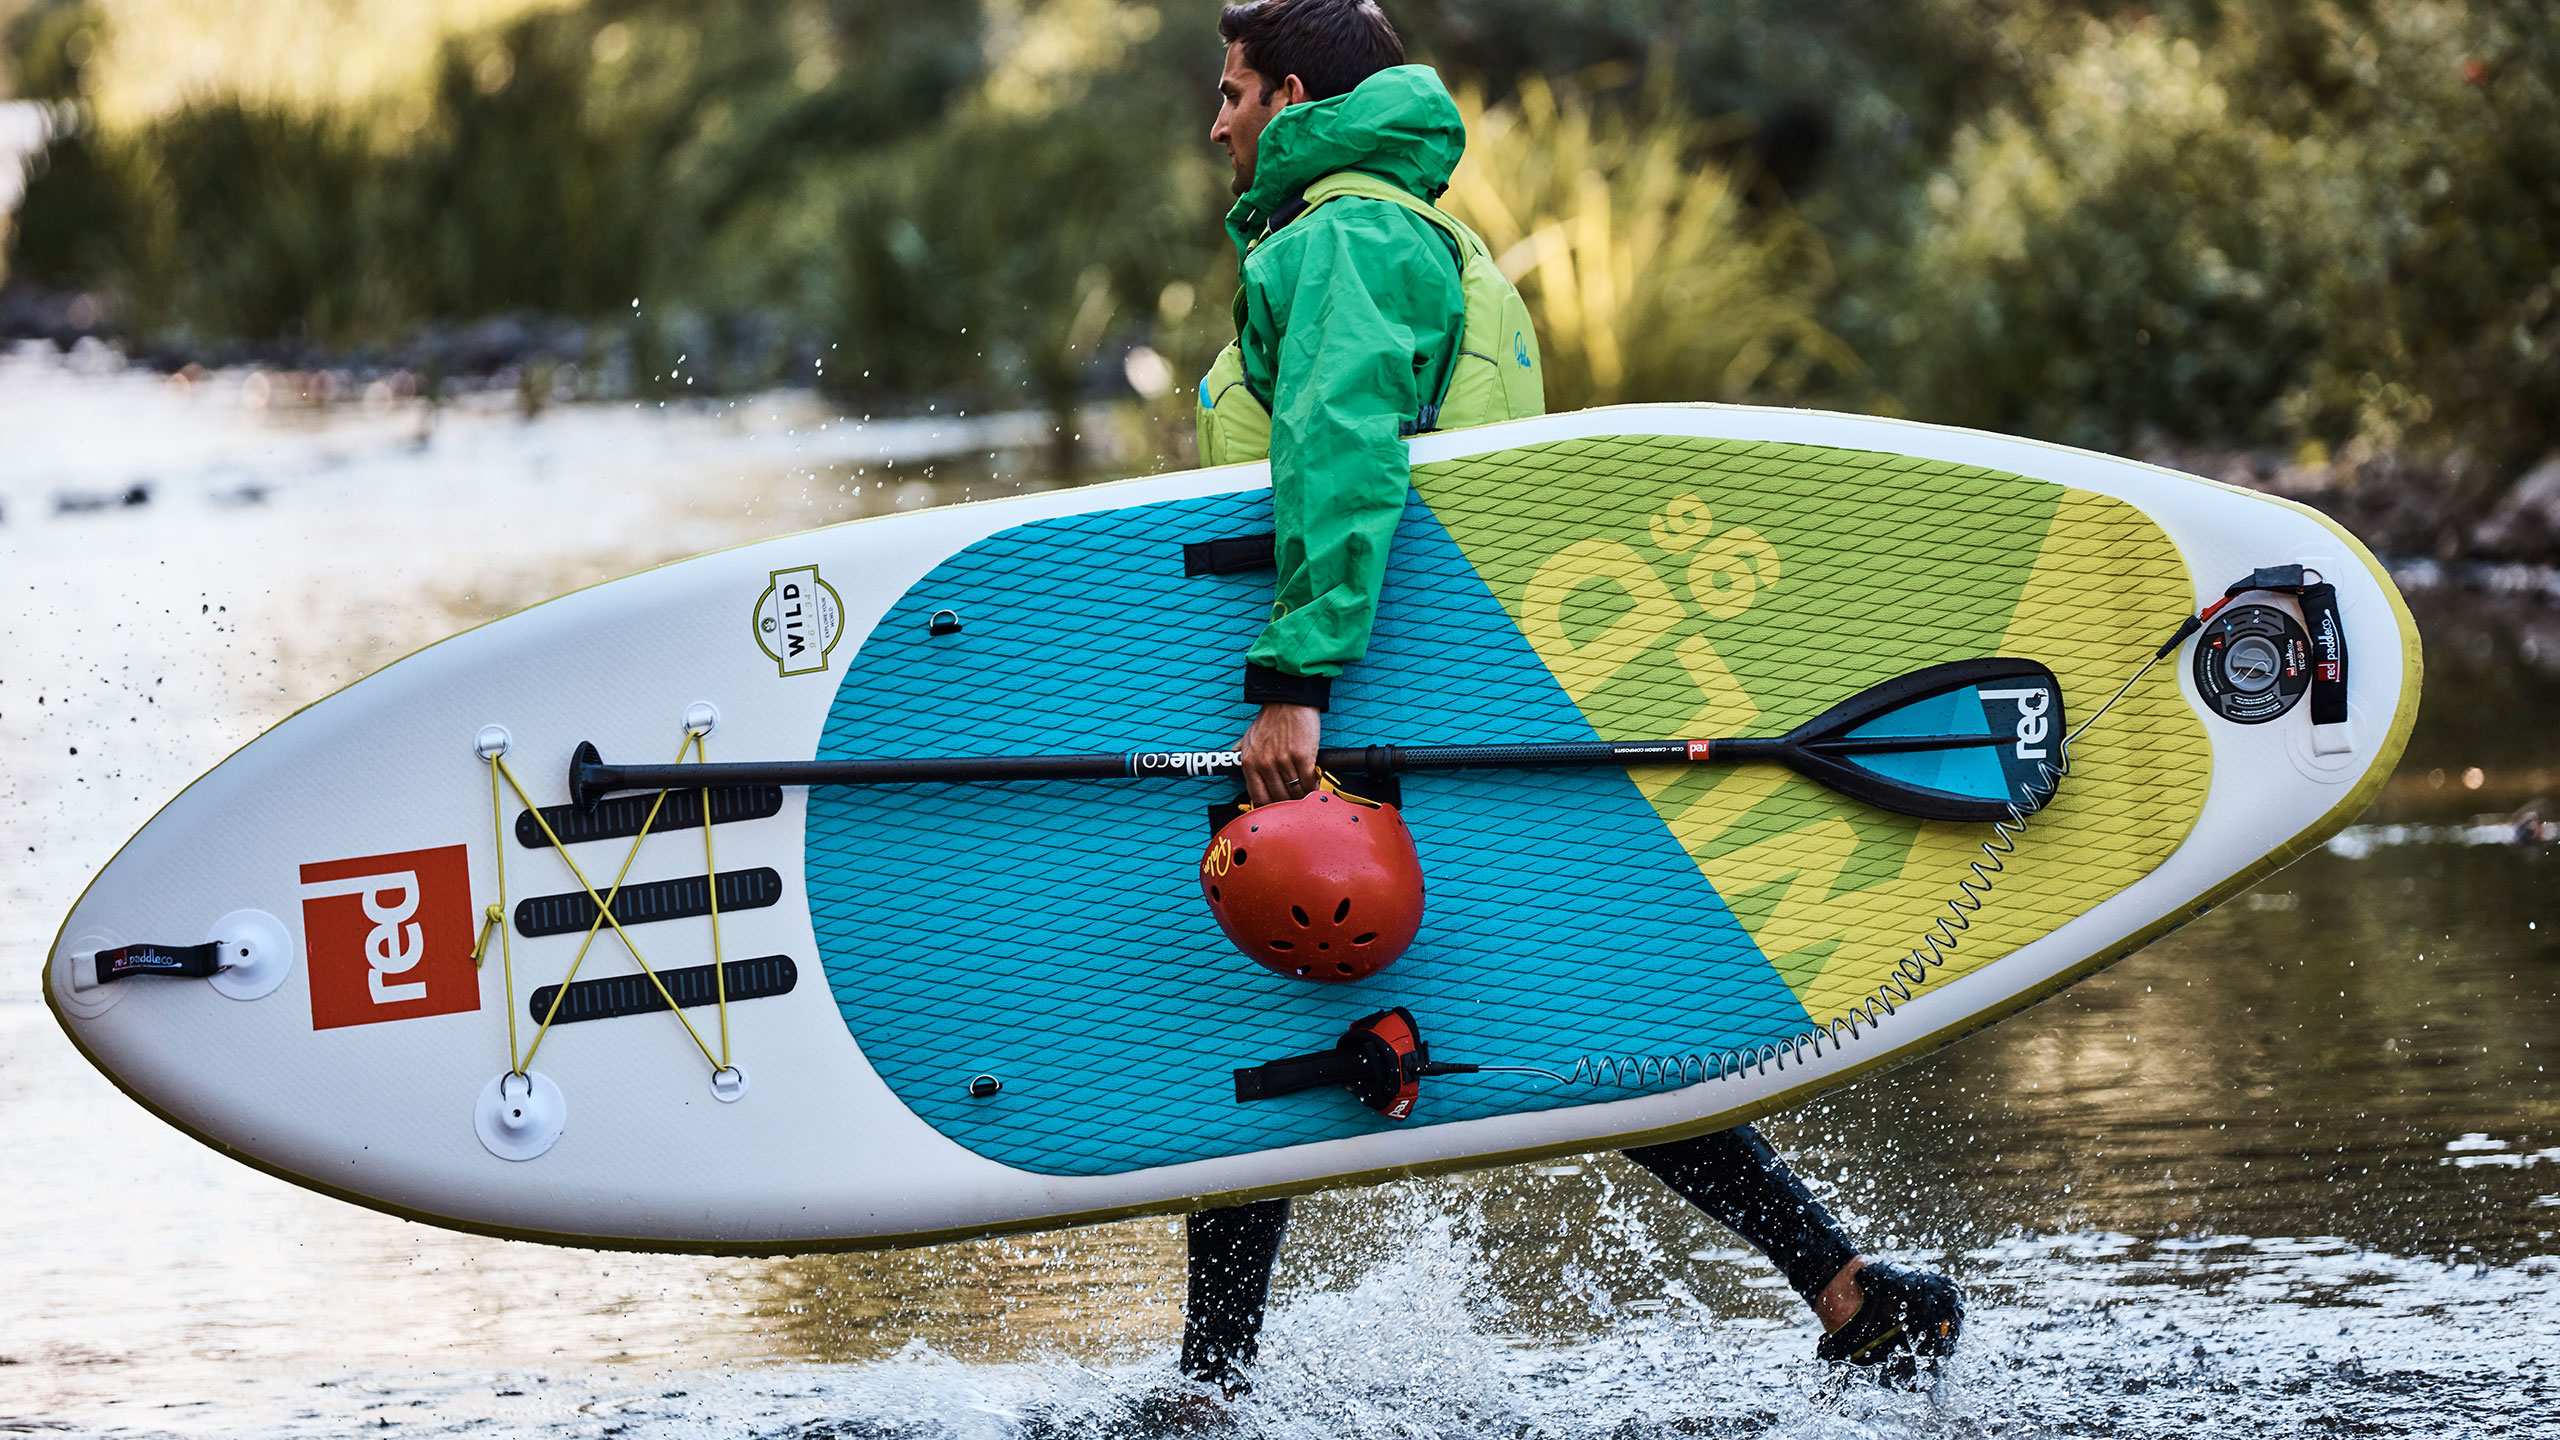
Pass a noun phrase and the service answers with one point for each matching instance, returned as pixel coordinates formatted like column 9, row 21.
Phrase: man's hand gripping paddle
column 1969, row 740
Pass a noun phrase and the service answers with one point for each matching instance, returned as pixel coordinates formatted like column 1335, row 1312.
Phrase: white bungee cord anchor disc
column 257, row 953
column 520, row 1116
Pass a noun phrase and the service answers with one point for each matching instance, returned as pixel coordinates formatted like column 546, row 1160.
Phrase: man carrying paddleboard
column 1366, row 315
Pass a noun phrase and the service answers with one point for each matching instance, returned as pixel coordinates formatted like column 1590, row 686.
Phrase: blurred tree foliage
column 568, row 161
column 1838, row 98
column 2311, row 226
column 2326, row 226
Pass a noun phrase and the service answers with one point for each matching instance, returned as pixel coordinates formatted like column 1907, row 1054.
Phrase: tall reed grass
column 1651, row 273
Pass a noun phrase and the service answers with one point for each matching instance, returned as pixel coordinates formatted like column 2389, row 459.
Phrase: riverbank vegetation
column 2326, row 234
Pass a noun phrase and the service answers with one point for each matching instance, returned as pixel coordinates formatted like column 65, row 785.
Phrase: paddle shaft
column 591, row 778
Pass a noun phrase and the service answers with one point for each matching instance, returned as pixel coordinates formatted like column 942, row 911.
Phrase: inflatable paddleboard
column 386, row 951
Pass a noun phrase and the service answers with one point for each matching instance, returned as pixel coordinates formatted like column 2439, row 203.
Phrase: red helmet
column 1325, row 887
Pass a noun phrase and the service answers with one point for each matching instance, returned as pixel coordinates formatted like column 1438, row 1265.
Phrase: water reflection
column 2292, row 1064
column 1105, row 1293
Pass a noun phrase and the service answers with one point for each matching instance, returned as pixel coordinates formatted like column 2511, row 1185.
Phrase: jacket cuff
column 1264, row 685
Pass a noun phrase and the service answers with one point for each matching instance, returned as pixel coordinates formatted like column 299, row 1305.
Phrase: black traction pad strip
column 656, row 900
column 621, row 995
column 622, row 815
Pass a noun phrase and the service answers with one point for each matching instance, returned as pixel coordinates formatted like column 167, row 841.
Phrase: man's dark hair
column 1330, row 45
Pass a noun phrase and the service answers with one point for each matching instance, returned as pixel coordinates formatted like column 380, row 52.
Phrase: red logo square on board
column 389, row 937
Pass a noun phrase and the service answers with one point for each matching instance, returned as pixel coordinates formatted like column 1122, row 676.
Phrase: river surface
column 2293, row 1169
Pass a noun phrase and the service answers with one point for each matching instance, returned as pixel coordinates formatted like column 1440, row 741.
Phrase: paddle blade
column 1968, row 740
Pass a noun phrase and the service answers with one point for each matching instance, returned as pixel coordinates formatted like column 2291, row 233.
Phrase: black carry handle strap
column 1338, row 1066
column 193, row 962
column 2329, row 647
column 1236, row 555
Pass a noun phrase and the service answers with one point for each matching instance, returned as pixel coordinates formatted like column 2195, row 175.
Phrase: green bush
column 566, row 163
column 2292, row 227
column 2133, row 257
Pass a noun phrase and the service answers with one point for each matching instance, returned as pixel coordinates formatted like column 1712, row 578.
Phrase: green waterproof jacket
column 1346, row 319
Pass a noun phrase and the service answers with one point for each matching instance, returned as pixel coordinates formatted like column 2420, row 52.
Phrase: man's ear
column 1293, row 91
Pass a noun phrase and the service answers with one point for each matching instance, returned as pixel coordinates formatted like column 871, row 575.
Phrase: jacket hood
column 1399, row 125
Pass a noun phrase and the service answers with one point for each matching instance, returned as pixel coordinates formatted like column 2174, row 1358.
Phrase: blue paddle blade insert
column 2015, row 764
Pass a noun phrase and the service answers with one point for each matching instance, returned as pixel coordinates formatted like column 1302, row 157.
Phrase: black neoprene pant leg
column 1231, row 1255
column 1735, row 1177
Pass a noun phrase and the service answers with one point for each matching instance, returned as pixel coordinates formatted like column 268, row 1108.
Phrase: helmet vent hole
column 1298, row 915
column 1324, row 944
column 1284, row 944
column 1239, row 857
column 1365, row 938
column 1345, row 969
column 1302, row 969
column 1342, row 911
column 1214, row 897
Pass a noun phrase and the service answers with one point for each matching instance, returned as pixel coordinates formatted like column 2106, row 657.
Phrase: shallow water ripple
column 2085, row 1334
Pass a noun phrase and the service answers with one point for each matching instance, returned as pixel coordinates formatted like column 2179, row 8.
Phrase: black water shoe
column 1906, row 1316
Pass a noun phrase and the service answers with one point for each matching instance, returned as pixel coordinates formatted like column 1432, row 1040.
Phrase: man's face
column 1246, row 103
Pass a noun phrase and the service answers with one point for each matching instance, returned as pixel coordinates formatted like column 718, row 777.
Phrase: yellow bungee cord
column 520, row 1063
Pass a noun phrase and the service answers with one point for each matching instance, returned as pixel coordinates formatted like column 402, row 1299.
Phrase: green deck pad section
column 1054, row 935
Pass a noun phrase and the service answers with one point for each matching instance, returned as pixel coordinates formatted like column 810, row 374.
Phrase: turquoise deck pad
column 1053, row 935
